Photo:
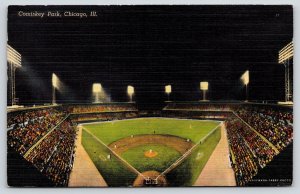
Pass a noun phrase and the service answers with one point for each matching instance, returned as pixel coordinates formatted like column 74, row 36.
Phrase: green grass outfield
column 116, row 173
column 109, row 132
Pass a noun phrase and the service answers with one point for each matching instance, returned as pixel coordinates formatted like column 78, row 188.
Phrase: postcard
column 150, row 96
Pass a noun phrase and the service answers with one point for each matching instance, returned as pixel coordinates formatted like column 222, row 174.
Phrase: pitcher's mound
column 150, row 154
column 150, row 179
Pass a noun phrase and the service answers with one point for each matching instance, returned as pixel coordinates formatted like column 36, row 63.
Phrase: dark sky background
column 149, row 47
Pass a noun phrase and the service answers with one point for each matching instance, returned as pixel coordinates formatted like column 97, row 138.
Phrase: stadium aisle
column 217, row 171
column 84, row 172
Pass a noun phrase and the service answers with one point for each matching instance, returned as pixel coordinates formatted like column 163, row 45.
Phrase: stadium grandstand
column 208, row 97
column 257, row 133
column 45, row 136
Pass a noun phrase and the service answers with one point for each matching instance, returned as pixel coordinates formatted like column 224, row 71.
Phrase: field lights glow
column 286, row 53
column 54, row 80
column 168, row 89
column 97, row 88
column 203, row 85
column 284, row 57
column 245, row 78
column 13, row 56
column 14, row 60
column 130, row 90
column 204, row 88
column 54, row 86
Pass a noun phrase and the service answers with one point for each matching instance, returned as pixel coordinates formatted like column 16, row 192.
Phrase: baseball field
column 128, row 152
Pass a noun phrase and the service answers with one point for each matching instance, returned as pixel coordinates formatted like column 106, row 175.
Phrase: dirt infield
column 151, row 180
column 177, row 143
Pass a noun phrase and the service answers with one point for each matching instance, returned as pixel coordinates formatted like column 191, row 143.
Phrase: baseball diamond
column 171, row 140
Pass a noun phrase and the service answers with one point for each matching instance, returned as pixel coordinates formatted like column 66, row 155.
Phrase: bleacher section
column 102, row 112
column 100, row 108
column 256, row 132
column 27, row 127
column 276, row 126
column 45, row 136
column 213, row 111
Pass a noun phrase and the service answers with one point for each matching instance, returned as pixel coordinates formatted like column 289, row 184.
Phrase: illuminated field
column 168, row 138
column 165, row 157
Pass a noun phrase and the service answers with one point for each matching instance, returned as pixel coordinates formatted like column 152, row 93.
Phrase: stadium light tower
column 285, row 56
column 54, row 86
column 168, row 90
column 245, row 80
column 204, row 88
column 130, row 92
column 14, row 60
column 97, row 88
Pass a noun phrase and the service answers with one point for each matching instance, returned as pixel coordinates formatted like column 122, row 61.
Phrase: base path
column 218, row 171
column 84, row 172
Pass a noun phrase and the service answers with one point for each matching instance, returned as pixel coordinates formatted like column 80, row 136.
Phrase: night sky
column 149, row 47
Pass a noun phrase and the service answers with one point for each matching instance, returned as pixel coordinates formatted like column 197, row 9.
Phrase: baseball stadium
column 150, row 96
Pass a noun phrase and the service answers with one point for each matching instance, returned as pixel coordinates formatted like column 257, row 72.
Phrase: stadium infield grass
column 189, row 170
column 165, row 157
column 116, row 173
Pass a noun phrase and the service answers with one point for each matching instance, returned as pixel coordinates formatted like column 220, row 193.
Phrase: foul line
column 124, row 161
column 172, row 166
column 187, row 153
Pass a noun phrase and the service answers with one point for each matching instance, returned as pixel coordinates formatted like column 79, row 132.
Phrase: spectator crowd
column 254, row 141
column 104, row 116
column 199, row 107
column 26, row 128
column 54, row 155
column 243, row 160
column 79, row 109
column 46, row 137
column 276, row 126
column 214, row 115
column 249, row 151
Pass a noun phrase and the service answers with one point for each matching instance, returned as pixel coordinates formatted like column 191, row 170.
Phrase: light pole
column 168, row 90
column 14, row 60
column 204, row 88
column 130, row 92
column 97, row 88
column 245, row 78
column 284, row 56
column 54, row 86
